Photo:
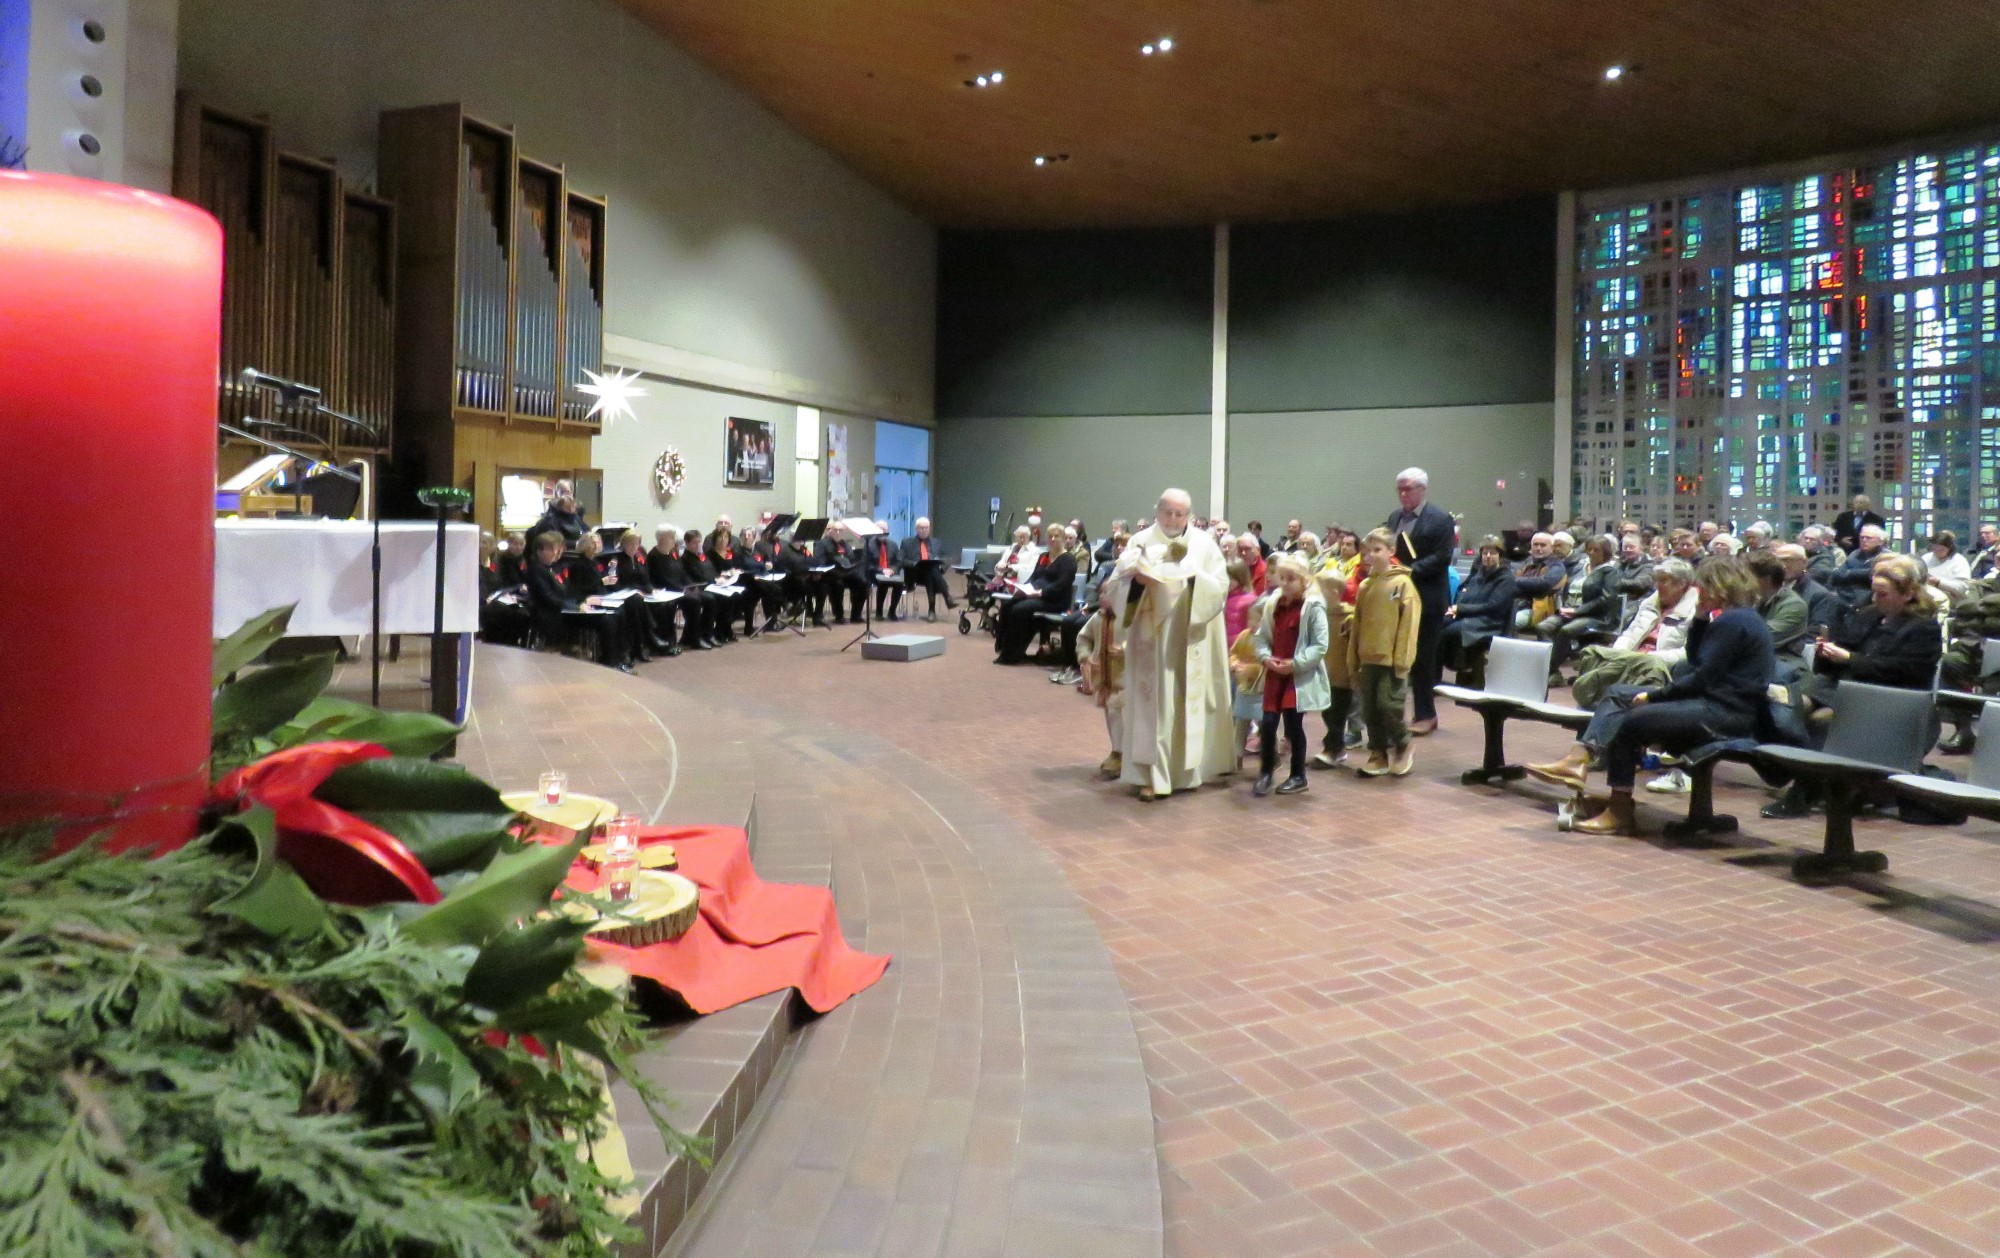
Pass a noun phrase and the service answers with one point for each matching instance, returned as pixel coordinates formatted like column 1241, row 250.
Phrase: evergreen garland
column 173, row 1081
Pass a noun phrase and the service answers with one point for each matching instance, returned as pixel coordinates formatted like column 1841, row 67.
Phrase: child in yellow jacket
column 1381, row 647
column 1339, row 672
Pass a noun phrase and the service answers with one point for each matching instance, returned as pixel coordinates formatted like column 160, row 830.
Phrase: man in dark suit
column 1050, row 588
column 882, row 562
column 1847, row 525
column 924, row 559
column 837, row 552
column 1425, row 538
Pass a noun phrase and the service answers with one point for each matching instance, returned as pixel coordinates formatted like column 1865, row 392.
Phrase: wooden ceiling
column 1377, row 104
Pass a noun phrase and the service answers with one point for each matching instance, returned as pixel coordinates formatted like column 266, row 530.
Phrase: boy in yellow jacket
column 1381, row 647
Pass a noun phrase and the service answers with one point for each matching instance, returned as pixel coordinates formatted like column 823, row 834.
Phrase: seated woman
column 631, row 631
column 1597, row 609
column 1894, row 641
column 1718, row 691
column 701, row 570
column 1049, row 587
column 628, row 569
column 1652, row 642
column 1946, row 569
column 1484, row 603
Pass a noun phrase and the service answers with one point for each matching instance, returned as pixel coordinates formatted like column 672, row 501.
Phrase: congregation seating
column 1878, row 732
column 1517, row 688
column 1979, row 794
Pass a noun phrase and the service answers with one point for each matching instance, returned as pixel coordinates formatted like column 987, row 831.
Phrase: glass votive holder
column 621, row 855
column 555, row 784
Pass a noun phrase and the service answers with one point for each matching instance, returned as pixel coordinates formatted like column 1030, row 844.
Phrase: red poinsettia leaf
column 293, row 773
column 346, row 860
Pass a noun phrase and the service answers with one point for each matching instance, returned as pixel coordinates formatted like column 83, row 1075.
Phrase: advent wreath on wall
column 669, row 474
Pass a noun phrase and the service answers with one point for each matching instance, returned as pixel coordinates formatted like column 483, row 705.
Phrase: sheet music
column 770, row 576
column 725, row 590
column 889, row 578
column 613, row 600
column 664, row 596
column 827, row 568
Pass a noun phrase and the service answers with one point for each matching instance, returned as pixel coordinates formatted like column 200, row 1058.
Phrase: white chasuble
column 1177, row 727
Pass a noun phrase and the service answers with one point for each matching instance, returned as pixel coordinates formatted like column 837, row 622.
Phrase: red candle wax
column 110, row 312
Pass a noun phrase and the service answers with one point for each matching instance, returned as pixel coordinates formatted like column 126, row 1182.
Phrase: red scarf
column 882, row 552
column 923, row 549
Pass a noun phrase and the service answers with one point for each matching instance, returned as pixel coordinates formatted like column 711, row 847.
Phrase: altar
column 322, row 566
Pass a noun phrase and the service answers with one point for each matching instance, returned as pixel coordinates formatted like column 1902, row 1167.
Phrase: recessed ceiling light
column 1263, row 137
column 1145, row 50
column 1050, row 159
column 988, row 79
column 1613, row 73
column 1166, row 45
column 1158, row 45
column 1041, row 161
column 995, row 77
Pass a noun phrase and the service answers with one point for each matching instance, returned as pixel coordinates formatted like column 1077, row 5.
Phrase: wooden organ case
column 501, row 305
column 309, row 283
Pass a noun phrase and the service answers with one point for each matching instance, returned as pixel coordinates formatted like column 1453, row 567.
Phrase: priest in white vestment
column 1166, row 594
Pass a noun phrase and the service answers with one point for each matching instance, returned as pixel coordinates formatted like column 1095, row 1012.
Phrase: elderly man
column 1854, row 580
column 925, row 557
column 1756, row 538
column 1823, row 558
column 1635, row 571
column 1294, row 529
column 1111, row 547
column 1823, row 607
column 1987, row 562
column 1848, row 524
column 1166, row 596
column 1540, row 578
column 1425, row 538
column 1652, row 643
column 1706, row 533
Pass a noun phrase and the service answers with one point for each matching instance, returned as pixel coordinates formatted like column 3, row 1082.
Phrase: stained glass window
column 1754, row 348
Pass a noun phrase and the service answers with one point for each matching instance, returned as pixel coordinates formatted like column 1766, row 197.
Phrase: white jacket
column 1671, row 645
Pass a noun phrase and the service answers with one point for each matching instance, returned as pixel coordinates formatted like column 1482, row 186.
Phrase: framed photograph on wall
column 750, row 449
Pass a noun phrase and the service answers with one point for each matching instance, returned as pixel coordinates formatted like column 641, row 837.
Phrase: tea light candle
column 554, row 783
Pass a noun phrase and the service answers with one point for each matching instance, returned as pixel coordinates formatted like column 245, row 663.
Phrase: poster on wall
column 751, row 461
column 836, row 469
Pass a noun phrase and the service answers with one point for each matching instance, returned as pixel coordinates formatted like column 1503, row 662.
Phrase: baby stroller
column 978, row 599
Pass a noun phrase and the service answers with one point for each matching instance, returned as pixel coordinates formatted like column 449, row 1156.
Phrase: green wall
column 1340, row 467
column 1074, row 322
column 1098, row 467
column 1448, row 307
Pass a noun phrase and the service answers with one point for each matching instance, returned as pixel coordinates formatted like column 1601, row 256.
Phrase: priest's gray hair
column 1415, row 475
column 1181, row 496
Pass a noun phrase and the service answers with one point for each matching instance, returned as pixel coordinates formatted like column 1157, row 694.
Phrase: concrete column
column 99, row 87
column 1565, row 408
column 1218, row 382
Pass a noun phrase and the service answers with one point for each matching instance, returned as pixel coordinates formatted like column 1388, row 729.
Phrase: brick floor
column 1410, row 1017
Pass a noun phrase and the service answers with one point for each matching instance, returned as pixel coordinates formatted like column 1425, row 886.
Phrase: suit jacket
column 1428, row 556
column 1055, row 581
column 840, row 554
column 548, row 597
column 698, row 569
column 878, row 553
column 584, row 578
column 1847, row 526
column 1486, row 600
column 1852, row 579
column 568, row 525
column 939, row 552
column 1823, row 606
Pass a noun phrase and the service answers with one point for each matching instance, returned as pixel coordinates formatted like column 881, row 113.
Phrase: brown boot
column 1617, row 818
column 1113, row 765
column 1567, row 772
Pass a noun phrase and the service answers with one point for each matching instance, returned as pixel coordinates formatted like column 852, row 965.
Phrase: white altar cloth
column 322, row 565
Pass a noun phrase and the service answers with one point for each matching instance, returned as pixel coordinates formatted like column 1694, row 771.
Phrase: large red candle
column 110, row 310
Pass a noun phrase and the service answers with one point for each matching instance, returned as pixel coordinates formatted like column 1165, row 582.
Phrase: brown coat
column 1384, row 629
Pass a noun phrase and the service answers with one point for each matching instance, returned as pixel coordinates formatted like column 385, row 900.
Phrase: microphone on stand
column 288, row 391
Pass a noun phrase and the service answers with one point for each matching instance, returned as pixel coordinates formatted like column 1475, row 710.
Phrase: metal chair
column 1517, row 683
column 1877, row 733
column 1979, row 794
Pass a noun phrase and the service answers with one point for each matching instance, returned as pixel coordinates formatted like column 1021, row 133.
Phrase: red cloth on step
column 752, row 938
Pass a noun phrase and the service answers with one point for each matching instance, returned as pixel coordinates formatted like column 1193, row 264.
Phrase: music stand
column 810, row 532
column 778, row 525
column 864, row 529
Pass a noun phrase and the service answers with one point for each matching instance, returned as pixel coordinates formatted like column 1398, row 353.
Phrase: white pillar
column 1565, row 408
column 807, row 447
column 100, row 89
column 1218, row 382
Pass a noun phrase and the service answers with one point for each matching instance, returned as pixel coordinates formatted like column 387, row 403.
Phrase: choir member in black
column 501, row 619
column 882, row 560
column 628, row 622
column 766, row 595
column 845, row 581
column 732, row 567
column 627, row 569
column 563, row 518
column 664, row 567
column 1049, row 588
column 924, row 560
column 550, row 595
column 781, row 557
column 722, row 610
column 511, row 563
